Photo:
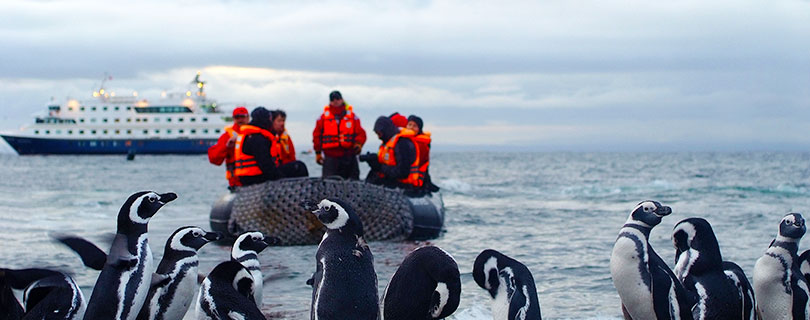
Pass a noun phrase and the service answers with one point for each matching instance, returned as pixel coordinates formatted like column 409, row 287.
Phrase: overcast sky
column 535, row 75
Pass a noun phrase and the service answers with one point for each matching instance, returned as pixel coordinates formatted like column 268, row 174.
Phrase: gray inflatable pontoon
column 274, row 209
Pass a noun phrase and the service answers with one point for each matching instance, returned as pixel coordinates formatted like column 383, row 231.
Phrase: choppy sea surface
column 558, row 213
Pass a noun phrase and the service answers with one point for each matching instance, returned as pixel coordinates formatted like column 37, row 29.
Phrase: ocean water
column 558, row 213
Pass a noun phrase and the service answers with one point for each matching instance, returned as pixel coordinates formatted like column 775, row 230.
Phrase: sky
column 484, row 75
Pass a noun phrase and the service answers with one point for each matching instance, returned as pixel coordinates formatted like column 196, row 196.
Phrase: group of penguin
column 426, row 285
column 702, row 285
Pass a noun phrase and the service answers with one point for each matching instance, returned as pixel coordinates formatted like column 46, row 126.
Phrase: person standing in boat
column 398, row 162
column 255, row 150
column 290, row 167
column 338, row 138
column 222, row 151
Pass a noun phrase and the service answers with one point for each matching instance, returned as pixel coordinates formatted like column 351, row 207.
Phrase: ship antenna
column 101, row 92
column 200, row 85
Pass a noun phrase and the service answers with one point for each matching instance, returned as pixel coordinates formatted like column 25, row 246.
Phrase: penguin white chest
column 140, row 277
column 500, row 305
column 774, row 299
column 629, row 270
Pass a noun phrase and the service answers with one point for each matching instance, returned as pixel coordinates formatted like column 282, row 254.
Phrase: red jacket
column 220, row 152
column 338, row 113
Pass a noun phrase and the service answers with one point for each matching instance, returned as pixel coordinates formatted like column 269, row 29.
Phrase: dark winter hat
column 334, row 95
column 418, row 121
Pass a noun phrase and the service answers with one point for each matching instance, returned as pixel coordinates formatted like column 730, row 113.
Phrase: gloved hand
column 368, row 157
column 357, row 148
column 319, row 158
column 231, row 142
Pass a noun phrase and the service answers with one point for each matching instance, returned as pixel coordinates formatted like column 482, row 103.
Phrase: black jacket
column 258, row 146
column 404, row 151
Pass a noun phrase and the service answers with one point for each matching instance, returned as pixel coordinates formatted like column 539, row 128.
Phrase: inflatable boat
column 274, row 208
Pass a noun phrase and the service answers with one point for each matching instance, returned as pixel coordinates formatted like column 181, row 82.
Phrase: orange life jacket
column 334, row 136
column 286, row 150
column 386, row 156
column 245, row 164
column 230, row 165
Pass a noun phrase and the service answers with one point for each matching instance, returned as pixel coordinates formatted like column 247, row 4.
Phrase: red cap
column 399, row 120
column 240, row 111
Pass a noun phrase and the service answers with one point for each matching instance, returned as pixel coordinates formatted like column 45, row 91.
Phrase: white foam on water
column 454, row 185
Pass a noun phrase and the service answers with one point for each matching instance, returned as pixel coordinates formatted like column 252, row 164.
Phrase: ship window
column 136, row 120
column 129, row 131
column 105, row 108
column 93, row 109
column 169, row 131
column 104, row 120
column 81, row 108
column 36, row 131
column 70, row 108
column 117, row 108
column 157, row 119
column 217, row 131
column 117, row 131
column 81, row 131
column 180, row 131
column 70, row 131
column 168, row 119
column 47, row 131
column 157, row 130
column 179, row 119
column 129, row 108
column 129, row 119
column 193, row 119
column 117, row 120
column 193, row 130
column 93, row 120
column 205, row 119
column 144, row 119
column 81, row 120
column 105, row 131
column 93, row 131
column 145, row 131
column 58, row 131
column 205, row 130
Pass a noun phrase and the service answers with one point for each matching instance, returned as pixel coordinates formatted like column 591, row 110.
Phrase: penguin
column 344, row 285
column 46, row 294
column 171, row 300
column 509, row 283
column 718, row 293
column 427, row 285
column 647, row 287
column 737, row 276
column 226, row 294
column 779, row 284
column 121, row 288
column 10, row 308
column 246, row 251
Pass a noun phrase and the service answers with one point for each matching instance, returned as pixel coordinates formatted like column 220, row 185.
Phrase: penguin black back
column 427, row 285
column 225, row 293
column 509, row 283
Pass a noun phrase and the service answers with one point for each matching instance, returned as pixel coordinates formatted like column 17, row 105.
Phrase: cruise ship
column 178, row 123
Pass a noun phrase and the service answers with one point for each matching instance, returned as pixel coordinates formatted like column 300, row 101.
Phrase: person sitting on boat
column 399, row 120
column 339, row 135
column 256, row 155
column 286, row 150
column 398, row 162
column 422, row 142
column 222, row 151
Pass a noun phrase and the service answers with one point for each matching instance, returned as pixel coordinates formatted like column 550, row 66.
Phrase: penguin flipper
column 91, row 255
column 160, row 280
column 804, row 264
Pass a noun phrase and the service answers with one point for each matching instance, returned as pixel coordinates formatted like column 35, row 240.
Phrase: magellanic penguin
column 647, row 287
column 246, row 251
column 718, row 293
column 226, row 294
column 344, row 285
column 781, row 288
column 427, row 285
column 47, row 294
column 171, row 298
column 510, row 283
column 121, row 288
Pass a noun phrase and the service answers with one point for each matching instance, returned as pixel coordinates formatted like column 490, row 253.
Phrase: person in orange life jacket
column 222, row 151
column 404, row 155
column 254, row 161
column 339, row 135
column 423, row 142
column 399, row 120
column 286, row 150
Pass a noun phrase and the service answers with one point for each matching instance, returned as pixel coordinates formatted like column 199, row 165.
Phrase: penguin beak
column 309, row 205
column 167, row 197
column 213, row 236
column 272, row 241
column 663, row 211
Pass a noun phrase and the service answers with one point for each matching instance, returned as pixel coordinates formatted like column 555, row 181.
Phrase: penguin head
column 696, row 247
column 487, row 272
column 336, row 214
column 649, row 213
column 251, row 242
column 141, row 206
column 190, row 239
column 447, row 295
column 232, row 274
column 792, row 226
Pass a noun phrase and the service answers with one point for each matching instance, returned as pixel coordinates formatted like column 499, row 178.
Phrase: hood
column 260, row 117
column 386, row 127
